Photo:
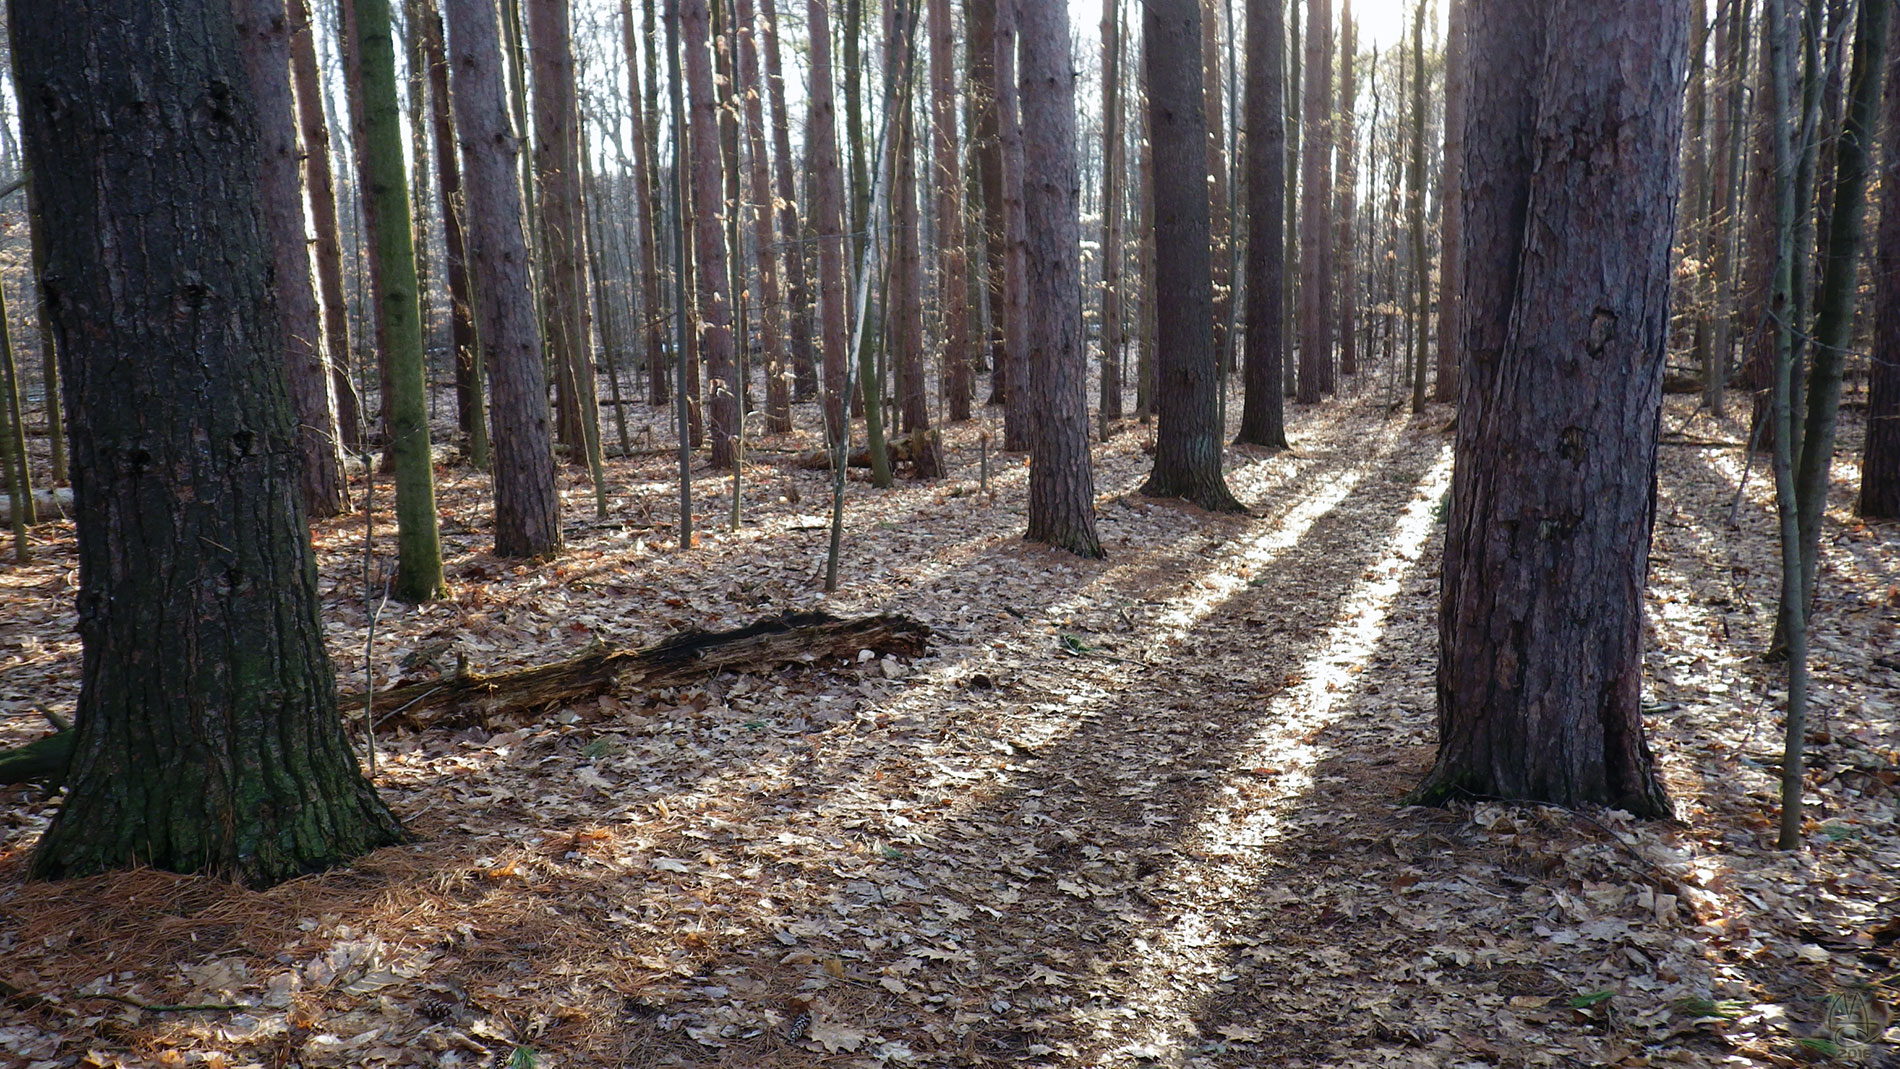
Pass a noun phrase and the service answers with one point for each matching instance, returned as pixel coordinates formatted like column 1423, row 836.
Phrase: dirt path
column 1130, row 813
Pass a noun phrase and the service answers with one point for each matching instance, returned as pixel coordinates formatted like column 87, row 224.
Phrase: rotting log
column 793, row 638
column 469, row 698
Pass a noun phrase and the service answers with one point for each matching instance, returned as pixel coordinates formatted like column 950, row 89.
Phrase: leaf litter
column 1136, row 812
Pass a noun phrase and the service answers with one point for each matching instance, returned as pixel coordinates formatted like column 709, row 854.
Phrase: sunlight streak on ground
column 1220, row 853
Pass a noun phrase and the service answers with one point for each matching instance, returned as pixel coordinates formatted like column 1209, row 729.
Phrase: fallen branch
column 794, row 638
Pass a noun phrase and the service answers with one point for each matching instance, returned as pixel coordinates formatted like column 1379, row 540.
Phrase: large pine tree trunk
column 1290, row 289
column 327, row 251
column 828, row 219
column 265, row 31
column 952, row 252
column 198, row 590
column 797, row 281
column 1061, row 485
column 1880, row 456
column 527, row 502
column 398, row 307
column 709, row 237
column 1262, row 417
column 1188, row 435
column 906, row 306
column 979, row 25
column 1566, row 322
column 1219, row 227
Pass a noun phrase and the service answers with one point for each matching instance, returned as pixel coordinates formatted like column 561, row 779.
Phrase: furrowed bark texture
column 1880, row 459
column 208, row 737
column 709, row 244
column 1262, row 415
column 828, row 218
column 1553, row 495
column 527, row 502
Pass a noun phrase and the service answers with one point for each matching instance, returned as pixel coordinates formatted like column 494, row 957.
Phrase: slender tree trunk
column 527, row 499
column 952, row 246
column 19, row 472
column 1718, row 220
column 1553, row 484
column 1346, row 271
column 320, row 181
column 1880, row 452
column 1145, row 362
column 906, row 308
column 265, row 33
column 204, row 654
column 1188, row 436
column 1061, row 486
column 1451, row 225
column 1291, row 306
column 1113, row 137
column 1415, row 182
column 470, row 387
column 828, row 220
column 709, row 244
column 1220, row 227
column 386, row 213
column 798, row 284
column 1315, row 314
column 980, row 26
column 1018, row 415
column 778, row 393
column 49, row 355
column 1262, row 419
column 645, row 196
column 1834, row 309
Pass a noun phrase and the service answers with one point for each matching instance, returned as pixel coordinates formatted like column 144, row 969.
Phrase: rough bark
column 1188, row 434
column 1415, row 209
column 1290, row 291
column 646, row 233
column 980, row 26
column 1262, row 416
column 1061, row 485
column 953, row 297
column 709, row 237
column 207, row 730
column 1566, row 322
column 398, row 308
column 326, row 250
column 906, row 306
column 1880, row 456
column 527, row 501
column 1113, row 139
column 828, row 216
column 264, row 30
column 778, row 393
column 1220, row 226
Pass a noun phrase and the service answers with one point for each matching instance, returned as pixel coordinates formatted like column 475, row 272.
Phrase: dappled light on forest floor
column 1127, row 813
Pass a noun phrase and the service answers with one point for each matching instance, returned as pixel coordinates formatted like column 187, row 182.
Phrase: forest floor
column 1135, row 812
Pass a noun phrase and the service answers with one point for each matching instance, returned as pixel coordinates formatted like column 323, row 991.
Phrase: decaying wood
column 477, row 698
column 794, row 638
column 901, row 451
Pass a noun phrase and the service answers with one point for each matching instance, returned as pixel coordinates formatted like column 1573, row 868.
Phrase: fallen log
column 471, row 698
column 898, row 450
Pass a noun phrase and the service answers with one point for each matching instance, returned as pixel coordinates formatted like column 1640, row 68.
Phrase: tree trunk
column 1415, row 182
column 1188, row 436
column 386, row 216
column 1018, row 416
column 979, row 18
column 778, row 393
column 49, row 357
column 1145, row 356
column 1834, row 309
column 203, row 648
column 527, row 499
column 1451, row 220
column 1315, row 314
column 645, row 194
column 1220, row 227
column 1345, row 271
column 470, row 387
column 1560, row 400
column 1113, row 137
column 264, row 31
column 1290, row 290
column 1880, row 456
column 1061, row 486
column 709, row 238
column 1262, row 417
column 798, row 285
column 320, row 182
column 953, row 297
column 13, row 456
column 906, row 308
column 828, row 222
